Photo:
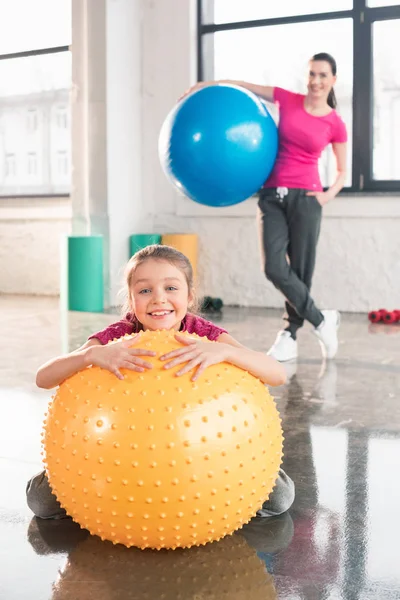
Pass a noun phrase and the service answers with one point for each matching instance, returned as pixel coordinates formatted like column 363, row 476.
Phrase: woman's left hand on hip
column 322, row 197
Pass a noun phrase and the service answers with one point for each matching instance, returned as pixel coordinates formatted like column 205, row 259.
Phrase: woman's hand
column 120, row 355
column 322, row 197
column 195, row 353
column 197, row 86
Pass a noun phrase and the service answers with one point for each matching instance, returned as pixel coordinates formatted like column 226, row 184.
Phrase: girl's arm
column 266, row 368
column 197, row 355
column 264, row 91
column 112, row 357
column 56, row 370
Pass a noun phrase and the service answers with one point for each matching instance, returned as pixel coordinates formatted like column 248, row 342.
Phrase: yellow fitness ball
column 158, row 461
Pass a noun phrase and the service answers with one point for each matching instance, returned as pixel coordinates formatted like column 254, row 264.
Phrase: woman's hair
column 161, row 253
column 324, row 56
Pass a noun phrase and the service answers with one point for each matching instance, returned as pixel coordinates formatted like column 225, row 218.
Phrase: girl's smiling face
column 159, row 295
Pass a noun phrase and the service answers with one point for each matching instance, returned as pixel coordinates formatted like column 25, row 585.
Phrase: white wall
column 358, row 265
column 359, row 252
column 31, row 234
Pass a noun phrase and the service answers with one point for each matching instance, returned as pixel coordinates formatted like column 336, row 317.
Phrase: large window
column 35, row 82
column 270, row 43
column 386, row 123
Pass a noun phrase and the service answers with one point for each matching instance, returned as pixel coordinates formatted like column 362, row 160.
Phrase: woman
column 291, row 201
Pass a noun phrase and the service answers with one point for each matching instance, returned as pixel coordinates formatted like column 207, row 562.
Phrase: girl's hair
column 162, row 253
column 324, row 56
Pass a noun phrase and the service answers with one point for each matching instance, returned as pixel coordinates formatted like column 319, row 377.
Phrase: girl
column 290, row 205
column 159, row 283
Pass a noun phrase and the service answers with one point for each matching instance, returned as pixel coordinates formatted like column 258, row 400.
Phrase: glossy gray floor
column 342, row 429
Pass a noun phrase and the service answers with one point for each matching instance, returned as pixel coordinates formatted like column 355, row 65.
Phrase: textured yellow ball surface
column 159, row 461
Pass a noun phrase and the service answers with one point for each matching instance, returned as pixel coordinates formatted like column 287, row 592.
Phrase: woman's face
column 320, row 79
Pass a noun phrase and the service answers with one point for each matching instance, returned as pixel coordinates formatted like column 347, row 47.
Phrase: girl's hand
column 195, row 353
column 120, row 355
column 322, row 197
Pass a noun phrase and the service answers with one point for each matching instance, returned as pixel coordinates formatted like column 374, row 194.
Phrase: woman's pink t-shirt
column 302, row 138
column 190, row 323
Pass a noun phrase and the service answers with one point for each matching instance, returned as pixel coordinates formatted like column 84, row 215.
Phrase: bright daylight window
column 35, row 82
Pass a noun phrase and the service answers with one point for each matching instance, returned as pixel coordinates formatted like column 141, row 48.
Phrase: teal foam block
column 85, row 273
column 138, row 241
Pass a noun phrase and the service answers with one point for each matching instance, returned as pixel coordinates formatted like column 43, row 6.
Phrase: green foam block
column 138, row 241
column 85, row 273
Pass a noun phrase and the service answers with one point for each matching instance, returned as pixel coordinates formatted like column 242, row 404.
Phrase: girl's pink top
column 190, row 323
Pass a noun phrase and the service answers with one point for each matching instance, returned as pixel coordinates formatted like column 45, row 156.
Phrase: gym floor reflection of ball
column 218, row 145
column 159, row 461
column 229, row 570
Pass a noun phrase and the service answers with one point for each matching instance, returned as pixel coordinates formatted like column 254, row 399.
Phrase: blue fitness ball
column 218, row 145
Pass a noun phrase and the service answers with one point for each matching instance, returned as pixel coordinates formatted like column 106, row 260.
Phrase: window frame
column 24, row 54
column 364, row 18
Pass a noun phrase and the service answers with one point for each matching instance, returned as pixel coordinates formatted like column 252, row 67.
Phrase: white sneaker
column 284, row 347
column 327, row 333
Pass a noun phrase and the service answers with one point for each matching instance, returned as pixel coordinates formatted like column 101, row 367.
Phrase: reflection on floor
column 342, row 448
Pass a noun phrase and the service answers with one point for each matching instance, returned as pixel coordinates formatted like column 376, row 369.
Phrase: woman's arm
column 264, row 91
column 266, row 368
column 340, row 152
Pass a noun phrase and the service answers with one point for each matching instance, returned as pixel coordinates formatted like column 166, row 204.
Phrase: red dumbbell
column 375, row 316
column 392, row 317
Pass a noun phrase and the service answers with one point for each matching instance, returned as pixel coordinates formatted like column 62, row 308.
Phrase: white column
column 169, row 68
column 88, row 106
column 128, row 209
column 88, row 117
column 107, row 129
